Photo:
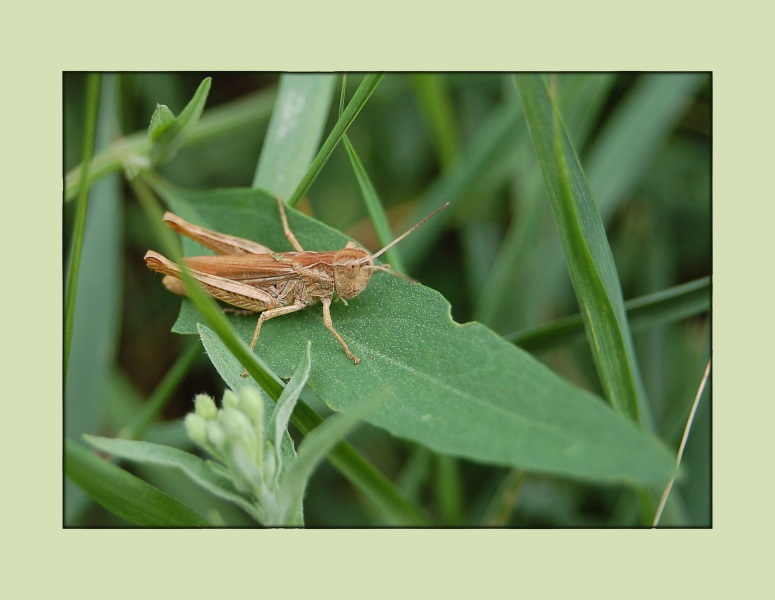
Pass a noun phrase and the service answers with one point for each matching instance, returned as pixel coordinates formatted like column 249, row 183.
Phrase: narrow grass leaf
column 359, row 99
column 435, row 102
column 204, row 303
column 494, row 139
column 525, row 243
column 125, row 495
column 71, row 283
column 374, row 208
column 667, row 306
column 299, row 116
column 587, row 252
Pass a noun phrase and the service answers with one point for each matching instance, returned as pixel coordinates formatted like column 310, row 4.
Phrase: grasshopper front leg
column 330, row 326
column 270, row 314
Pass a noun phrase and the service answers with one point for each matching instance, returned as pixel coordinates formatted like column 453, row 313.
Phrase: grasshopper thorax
column 352, row 270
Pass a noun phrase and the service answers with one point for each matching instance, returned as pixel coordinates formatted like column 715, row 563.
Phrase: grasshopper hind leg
column 287, row 229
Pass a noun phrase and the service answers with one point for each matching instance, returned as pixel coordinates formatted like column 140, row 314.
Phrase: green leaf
column 125, row 495
column 494, row 139
column 168, row 133
column 634, row 133
column 230, row 119
column 312, row 451
column 374, row 208
column 231, row 372
column 161, row 120
column 200, row 471
column 295, row 129
column 590, row 263
column 71, row 287
column 358, row 101
column 458, row 389
column 284, row 408
column 667, row 306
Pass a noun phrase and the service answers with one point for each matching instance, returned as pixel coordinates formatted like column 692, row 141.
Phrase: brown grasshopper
column 253, row 277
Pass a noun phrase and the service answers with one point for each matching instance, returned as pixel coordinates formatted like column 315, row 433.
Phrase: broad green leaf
column 300, row 112
column 200, row 471
column 375, row 485
column 168, row 133
column 125, row 495
column 531, row 235
column 458, row 389
column 590, row 263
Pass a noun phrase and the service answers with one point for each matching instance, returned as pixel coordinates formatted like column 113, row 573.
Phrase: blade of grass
column 581, row 98
column 294, row 133
column 359, row 99
column 90, row 128
column 125, row 495
column 204, row 303
column 663, row 307
column 631, row 136
column 494, row 140
column 684, row 438
column 587, row 252
column 434, row 99
column 370, row 197
column 374, row 207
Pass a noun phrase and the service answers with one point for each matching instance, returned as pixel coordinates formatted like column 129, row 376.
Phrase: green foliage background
column 643, row 142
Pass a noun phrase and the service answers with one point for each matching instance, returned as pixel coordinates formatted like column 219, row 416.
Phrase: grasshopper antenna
column 401, row 237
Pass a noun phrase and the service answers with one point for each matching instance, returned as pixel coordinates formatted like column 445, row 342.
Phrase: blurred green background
column 644, row 141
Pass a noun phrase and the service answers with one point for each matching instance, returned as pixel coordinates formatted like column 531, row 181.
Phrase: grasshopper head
column 352, row 270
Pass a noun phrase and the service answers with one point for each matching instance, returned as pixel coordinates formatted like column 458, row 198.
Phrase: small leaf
column 125, row 495
column 313, row 450
column 284, row 408
column 161, row 120
column 194, row 467
column 168, row 133
column 231, row 371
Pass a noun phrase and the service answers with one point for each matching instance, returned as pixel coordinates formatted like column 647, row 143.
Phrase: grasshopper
column 252, row 277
